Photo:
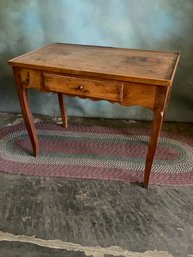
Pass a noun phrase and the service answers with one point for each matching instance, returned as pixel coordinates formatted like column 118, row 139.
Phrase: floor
column 76, row 218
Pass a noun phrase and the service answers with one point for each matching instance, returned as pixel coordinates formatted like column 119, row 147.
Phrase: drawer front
column 104, row 90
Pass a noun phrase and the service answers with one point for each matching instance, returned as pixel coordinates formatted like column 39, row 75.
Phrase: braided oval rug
column 96, row 153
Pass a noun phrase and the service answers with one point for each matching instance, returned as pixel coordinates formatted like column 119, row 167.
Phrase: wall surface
column 144, row 24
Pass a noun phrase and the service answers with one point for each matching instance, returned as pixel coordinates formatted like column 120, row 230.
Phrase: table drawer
column 93, row 88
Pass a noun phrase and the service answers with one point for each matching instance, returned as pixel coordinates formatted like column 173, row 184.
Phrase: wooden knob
column 81, row 87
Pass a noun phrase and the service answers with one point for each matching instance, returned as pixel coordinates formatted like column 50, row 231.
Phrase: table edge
column 14, row 62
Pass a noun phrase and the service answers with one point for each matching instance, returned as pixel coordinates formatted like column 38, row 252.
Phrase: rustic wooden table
column 124, row 76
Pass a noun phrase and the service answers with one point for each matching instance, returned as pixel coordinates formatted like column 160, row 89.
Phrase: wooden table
column 124, row 76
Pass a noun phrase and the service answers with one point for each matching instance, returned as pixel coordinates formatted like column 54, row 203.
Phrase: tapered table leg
column 158, row 116
column 27, row 115
column 62, row 109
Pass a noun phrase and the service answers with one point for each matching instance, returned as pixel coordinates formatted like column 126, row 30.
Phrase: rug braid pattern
column 96, row 153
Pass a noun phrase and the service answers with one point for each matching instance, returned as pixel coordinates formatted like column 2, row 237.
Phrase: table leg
column 27, row 115
column 161, row 101
column 62, row 109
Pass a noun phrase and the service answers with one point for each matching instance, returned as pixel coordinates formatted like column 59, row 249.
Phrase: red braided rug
column 96, row 153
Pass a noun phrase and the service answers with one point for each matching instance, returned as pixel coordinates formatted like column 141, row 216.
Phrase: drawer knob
column 81, row 87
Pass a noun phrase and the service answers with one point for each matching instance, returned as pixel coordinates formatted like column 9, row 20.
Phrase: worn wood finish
column 152, row 67
column 162, row 95
column 139, row 94
column 100, row 89
column 31, row 78
column 125, row 76
column 127, row 93
column 27, row 115
column 63, row 109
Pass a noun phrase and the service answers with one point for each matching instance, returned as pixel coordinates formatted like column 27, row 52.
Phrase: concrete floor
column 76, row 218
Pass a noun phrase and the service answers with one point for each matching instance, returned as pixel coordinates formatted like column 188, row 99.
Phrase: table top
column 141, row 66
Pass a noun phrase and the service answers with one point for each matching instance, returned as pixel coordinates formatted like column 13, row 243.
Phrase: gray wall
column 146, row 24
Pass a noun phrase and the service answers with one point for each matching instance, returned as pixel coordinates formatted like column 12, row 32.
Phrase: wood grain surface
column 152, row 67
column 125, row 76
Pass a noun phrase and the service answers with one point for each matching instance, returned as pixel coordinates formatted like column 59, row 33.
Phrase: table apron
column 124, row 93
